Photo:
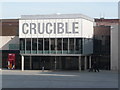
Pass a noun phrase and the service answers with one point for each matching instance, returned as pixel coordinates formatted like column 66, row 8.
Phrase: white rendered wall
column 6, row 40
column 85, row 28
column 114, row 47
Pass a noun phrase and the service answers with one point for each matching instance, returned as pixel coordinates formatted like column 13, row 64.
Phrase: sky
column 91, row 9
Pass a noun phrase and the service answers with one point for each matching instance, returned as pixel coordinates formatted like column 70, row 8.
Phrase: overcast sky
column 92, row 9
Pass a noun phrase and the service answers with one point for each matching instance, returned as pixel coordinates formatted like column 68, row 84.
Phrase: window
column 52, row 44
column 79, row 45
column 65, row 44
column 28, row 43
column 59, row 44
column 46, row 44
column 71, row 44
column 22, row 44
column 34, row 43
column 40, row 44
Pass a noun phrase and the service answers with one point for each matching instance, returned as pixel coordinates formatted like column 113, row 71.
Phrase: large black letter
column 60, row 28
column 74, row 27
column 54, row 28
column 40, row 29
column 66, row 25
column 24, row 28
column 32, row 28
column 47, row 28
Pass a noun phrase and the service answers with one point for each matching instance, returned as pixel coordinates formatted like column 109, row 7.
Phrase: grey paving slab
column 59, row 79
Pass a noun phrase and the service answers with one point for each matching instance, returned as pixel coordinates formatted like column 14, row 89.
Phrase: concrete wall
column 6, row 40
column 114, row 47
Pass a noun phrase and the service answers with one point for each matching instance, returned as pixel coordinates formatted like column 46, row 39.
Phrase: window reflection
column 40, row 44
column 59, row 44
column 79, row 45
column 52, row 44
column 28, row 43
column 46, row 44
column 22, row 44
column 65, row 44
column 71, row 44
column 34, row 43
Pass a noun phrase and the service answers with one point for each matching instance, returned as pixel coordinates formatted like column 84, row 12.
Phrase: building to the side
column 9, row 41
column 106, row 43
column 102, row 46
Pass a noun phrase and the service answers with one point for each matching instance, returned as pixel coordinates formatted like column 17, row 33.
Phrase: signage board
column 55, row 28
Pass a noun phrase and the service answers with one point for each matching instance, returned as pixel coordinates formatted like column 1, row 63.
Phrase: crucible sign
column 50, row 28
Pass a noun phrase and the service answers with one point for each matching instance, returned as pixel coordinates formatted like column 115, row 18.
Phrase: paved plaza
column 59, row 79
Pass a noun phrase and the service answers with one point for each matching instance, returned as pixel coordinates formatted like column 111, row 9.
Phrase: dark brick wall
column 10, row 27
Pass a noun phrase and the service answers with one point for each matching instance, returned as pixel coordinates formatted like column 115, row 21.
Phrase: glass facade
column 22, row 45
column 46, row 45
column 34, row 45
column 13, row 46
column 28, row 42
column 79, row 46
column 51, row 45
column 40, row 45
column 71, row 45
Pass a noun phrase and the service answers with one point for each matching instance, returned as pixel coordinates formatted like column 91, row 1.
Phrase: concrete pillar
column 79, row 63
column 30, row 62
column 89, row 61
column 85, row 63
column 22, row 63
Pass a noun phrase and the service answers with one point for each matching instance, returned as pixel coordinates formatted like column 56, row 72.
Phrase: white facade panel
column 56, row 28
column 87, row 28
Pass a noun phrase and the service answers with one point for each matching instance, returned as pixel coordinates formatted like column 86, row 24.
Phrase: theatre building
column 56, row 42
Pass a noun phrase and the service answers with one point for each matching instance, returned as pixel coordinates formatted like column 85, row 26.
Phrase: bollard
column 42, row 69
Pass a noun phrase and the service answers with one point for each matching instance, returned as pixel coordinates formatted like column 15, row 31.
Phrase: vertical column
column 68, row 45
column 22, row 63
column 74, row 45
column 56, row 45
column 79, row 63
column 85, row 63
column 49, row 45
column 25, row 45
column 37, row 45
column 62, row 45
column 30, row 62
column 83, row 47
column 31, row 45
column 89, row 61
column 43, row 45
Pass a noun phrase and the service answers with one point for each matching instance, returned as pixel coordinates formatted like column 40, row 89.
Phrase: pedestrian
column 95, row 67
